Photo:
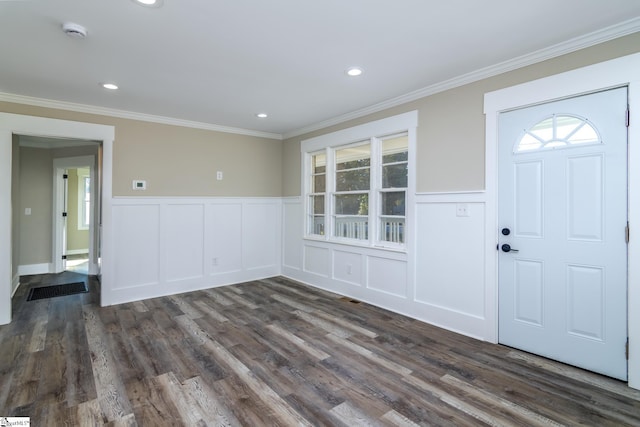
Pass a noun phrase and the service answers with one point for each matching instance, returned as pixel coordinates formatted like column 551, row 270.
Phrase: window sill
column 350, row 243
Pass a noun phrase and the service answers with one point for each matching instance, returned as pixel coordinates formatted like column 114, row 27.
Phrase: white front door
column 562, row 169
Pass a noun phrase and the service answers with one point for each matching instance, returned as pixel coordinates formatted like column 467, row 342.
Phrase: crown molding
column 615, row 31
column 123, row 114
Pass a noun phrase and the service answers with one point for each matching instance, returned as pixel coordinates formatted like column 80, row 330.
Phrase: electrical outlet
column 214, row 262
column 462, row 209
column 349, row 269
column 219, row 175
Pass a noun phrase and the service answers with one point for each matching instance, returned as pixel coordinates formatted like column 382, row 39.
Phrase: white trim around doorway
column 11, row 124
column 609, row 74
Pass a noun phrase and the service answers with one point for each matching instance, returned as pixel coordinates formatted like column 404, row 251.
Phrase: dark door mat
column 57, row 290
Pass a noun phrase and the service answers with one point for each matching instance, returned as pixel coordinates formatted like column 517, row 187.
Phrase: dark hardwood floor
column 276, row 353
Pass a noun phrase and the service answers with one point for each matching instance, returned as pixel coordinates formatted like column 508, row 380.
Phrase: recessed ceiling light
column 354, row 71
column 109, row 86
column 262, row 115
column 149, row 3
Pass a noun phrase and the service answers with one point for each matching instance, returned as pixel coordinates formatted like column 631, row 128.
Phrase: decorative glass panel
column 558, row 131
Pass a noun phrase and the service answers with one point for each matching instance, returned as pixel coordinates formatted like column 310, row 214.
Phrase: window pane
column 319, row 163
column 85, row 218
column 565, row 125
column 529, row 142
column 353, row 157
column 317, row 205
column 393, row 203
column 352, row 204
column 319, row 184
column 558, row 131
column 316, row 225
column 585, row 135
column 395, row 149
column 353, row 180
column 352, row 228
column 543, row 130
column 394, row 176
column 87, row 188
column 392, row 229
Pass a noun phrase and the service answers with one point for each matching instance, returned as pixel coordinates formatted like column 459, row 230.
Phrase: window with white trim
column 84, row 198
column 357, row 190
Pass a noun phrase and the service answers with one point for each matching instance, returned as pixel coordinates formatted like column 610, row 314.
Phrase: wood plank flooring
column 276, row 353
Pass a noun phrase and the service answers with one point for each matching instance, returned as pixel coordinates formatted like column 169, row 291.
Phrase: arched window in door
column 558, row 131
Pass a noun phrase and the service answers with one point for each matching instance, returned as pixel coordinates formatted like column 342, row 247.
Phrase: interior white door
column 562, row 220
column 65, row 210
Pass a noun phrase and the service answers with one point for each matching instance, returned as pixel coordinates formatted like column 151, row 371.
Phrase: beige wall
column 179, row 161
column 36, row 188
column 35, row 178
column 450, row 146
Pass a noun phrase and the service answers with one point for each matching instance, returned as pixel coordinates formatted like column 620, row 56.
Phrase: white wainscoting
column 440, row 280
column 164, row 246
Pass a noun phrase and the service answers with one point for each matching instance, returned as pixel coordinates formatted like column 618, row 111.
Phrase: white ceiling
column 219, row 62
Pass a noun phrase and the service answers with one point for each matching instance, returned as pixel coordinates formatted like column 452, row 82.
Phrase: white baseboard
column 14, row 284
column 27, row 270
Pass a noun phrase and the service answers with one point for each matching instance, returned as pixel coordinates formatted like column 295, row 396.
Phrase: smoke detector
column 74, row 30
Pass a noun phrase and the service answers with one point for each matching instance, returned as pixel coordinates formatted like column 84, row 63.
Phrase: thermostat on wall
column 139, row 184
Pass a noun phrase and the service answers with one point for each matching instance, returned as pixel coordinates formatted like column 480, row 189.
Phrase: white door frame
column 58, row 204
column 613, row 73
column 43, row 127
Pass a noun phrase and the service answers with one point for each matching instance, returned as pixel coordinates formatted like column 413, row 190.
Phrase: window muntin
column 558, row 131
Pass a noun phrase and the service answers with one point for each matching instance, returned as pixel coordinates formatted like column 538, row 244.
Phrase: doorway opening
column 79, row 186
column 76, row 210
